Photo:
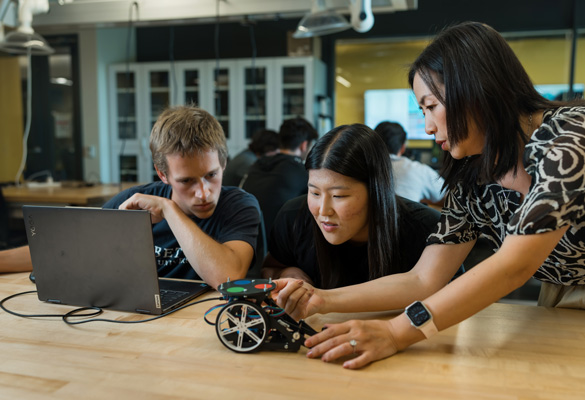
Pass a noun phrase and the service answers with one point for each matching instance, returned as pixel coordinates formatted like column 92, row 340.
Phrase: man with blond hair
column 201, row 230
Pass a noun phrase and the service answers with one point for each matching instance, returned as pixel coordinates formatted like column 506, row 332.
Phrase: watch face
column 418, row 314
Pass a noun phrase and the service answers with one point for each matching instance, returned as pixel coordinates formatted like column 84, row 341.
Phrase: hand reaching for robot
column 298, row 298
column 251, row 320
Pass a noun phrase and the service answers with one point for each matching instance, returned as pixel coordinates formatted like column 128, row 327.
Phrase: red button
column 263, row 286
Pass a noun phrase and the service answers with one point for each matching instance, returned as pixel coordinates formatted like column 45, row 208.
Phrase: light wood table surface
column 77, row 196
column 507, row 351
column 90, row 196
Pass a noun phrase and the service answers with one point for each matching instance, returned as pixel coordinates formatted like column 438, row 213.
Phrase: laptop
column 93, row 257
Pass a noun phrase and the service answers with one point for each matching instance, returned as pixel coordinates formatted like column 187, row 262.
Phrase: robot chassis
column 251, row 320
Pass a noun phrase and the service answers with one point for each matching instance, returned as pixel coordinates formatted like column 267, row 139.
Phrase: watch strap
column 429, row 328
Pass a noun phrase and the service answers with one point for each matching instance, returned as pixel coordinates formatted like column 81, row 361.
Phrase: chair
column 4, row 228
column 9, row 238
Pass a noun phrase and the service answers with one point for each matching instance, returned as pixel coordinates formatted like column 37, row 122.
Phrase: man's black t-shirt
column 291, row 241
column 236, row 217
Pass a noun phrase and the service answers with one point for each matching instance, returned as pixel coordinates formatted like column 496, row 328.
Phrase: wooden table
column 91, row 196
column 505, row 352
column 78, row 196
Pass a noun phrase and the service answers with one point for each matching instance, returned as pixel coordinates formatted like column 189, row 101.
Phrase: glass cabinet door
column 191, row 89
column 255, row 112
column 128, row 168
column 293, row 91
column 221, row 98
column 159, row 94
column 126, row 105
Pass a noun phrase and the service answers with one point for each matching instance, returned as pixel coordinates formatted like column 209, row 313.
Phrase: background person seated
column 276, row 179
column 264, row 143
column 412, row 179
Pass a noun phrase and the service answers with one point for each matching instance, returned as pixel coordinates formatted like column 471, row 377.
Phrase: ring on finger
column 353, row 344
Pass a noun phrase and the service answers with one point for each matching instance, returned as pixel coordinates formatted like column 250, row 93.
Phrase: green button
column 236, row 289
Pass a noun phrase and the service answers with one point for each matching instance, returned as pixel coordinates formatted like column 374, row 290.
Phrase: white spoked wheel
column 242, row 326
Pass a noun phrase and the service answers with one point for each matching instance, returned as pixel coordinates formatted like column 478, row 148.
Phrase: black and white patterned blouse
column 555, row 159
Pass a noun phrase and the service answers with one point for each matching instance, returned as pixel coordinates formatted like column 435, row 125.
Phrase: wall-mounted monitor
column 399, row 105
column 559, row 92
column 396, row 105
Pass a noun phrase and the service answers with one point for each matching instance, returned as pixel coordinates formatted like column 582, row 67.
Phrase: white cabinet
column 220, row 99
column 299, row 82
column 139, row 94
column 254, row 93
column 244, row 95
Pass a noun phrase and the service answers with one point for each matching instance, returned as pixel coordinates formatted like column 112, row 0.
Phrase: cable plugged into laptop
column 82, row 312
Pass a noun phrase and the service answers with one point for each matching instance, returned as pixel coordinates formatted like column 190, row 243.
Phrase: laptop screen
column 93, row 257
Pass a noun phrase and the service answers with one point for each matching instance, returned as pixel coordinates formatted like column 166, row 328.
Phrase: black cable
column 126, row 108
column 97, row 311
column 173, row 71
column 72, row 313
column 575, row 33
column 216, row 72
column 254, row 89
column 210, row 310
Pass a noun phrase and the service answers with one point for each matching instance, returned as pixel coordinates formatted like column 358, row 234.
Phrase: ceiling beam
column 117, row 12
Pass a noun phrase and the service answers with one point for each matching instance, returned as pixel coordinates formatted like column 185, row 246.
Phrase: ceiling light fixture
column 24, row 40
column 341, row 80
column 362, row 18
column 322, row 21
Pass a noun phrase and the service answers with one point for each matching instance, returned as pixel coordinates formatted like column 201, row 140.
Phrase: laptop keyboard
column 170, row 296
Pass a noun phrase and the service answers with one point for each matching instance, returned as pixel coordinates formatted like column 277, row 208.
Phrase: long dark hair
column 485, row 83
column 358, row 152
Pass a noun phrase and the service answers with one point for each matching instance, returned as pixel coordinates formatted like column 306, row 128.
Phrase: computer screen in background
column 559, row 92
column 399, row 105
column 396, row 105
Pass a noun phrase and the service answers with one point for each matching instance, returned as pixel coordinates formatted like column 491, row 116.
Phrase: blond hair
column 186, row 130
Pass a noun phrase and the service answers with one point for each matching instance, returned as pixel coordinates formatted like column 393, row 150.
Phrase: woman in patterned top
column 515, row 171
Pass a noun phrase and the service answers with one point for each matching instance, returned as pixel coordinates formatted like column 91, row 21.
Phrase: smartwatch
column 421, row 318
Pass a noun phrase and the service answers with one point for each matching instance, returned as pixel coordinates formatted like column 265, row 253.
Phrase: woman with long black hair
column 515, row 171
column 350, row 227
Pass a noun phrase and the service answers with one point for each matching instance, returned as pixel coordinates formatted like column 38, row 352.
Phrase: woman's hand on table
column 370, row 340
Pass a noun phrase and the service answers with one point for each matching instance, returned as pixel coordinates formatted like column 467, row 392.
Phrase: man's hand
column 155, row 205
